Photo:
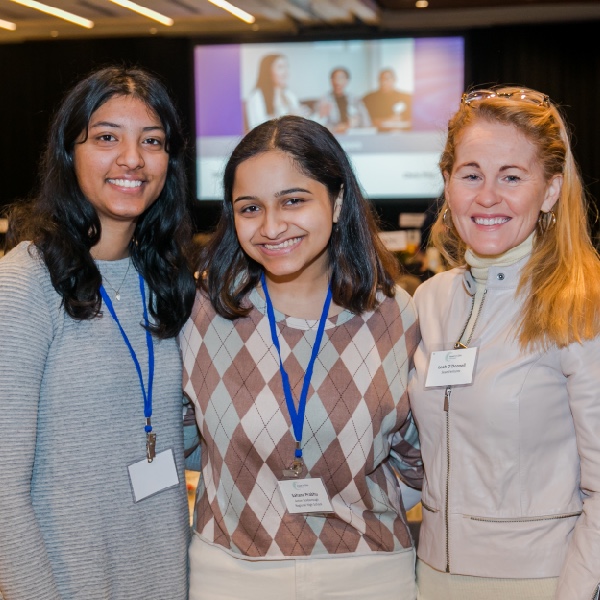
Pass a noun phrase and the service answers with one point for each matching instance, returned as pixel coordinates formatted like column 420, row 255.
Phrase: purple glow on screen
column 218, row 90
column 438, row 80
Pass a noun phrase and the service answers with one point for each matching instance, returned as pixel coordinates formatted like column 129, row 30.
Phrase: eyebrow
column 117, row 126
column 506, row 167
column 503, row 168
column 277, row 195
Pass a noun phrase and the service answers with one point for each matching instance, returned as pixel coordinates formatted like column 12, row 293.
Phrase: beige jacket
column 512, row 468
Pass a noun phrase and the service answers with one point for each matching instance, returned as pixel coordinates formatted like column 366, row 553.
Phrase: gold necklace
column 117, row 291
column 459, row 344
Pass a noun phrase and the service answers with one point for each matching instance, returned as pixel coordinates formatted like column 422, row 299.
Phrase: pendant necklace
column 117, row 291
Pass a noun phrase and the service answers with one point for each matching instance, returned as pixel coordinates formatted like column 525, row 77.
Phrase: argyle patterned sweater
column 359, row 433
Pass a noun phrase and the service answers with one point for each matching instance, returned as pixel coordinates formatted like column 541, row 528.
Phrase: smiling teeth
column 490, row 221
column 128, row 183
column 285, row 244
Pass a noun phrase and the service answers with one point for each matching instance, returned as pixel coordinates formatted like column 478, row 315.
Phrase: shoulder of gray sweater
column 24, row 278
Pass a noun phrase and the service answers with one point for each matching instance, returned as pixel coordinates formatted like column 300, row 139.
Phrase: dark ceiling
column 201, row 18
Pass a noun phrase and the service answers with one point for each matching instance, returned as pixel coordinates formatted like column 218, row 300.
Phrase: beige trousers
column 217, row 575
column 435, row 585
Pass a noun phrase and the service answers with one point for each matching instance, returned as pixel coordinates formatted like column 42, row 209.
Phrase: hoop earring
column 546, row 221
column 445, row 218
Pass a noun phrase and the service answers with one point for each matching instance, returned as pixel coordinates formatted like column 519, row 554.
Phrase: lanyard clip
column 150, row 446
column 295, row 469
column 297, row 466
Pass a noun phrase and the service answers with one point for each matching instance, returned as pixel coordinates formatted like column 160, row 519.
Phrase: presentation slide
column 387, row 101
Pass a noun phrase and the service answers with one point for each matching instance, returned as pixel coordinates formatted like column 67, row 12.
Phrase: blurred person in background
column 339, row 110
column 271, row 97
column 389, row 108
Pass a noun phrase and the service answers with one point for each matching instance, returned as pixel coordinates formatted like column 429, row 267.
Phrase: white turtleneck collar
column 480, row 264
column 479, row 269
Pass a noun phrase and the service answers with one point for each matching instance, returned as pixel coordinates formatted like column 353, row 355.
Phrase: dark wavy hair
column 63, row 225
column 360, row 264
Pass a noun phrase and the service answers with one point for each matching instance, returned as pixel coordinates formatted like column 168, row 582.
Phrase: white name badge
column 305, row 495
column 451, row 367
column 149, row 478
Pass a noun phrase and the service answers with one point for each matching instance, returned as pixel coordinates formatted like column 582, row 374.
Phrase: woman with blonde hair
column 504, row 387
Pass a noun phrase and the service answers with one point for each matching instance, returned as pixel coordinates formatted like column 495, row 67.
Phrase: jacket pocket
column 426, row 507
column 524, row 519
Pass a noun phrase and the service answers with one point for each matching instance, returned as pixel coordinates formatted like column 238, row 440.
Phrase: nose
column 273, row 224
column 488, row 194
column 130, row 155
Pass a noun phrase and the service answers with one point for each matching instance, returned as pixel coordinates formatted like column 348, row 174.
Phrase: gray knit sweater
column 71, row 421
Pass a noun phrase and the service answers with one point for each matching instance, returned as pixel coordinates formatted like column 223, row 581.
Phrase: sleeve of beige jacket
column 580, row 576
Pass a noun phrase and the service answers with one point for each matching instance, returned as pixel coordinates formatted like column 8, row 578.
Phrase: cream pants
column 435, row 585
column 216, row 575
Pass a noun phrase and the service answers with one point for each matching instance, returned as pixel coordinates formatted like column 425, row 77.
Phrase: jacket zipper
column 446, row 409
column 596, row 594
column 459, row 344
column 525, row 519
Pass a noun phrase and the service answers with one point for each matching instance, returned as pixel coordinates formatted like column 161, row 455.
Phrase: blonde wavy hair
column 561, row 280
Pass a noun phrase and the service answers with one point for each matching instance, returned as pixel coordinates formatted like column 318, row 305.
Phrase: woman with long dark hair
column 296, row 359
column 92, row 492
column 271, row 97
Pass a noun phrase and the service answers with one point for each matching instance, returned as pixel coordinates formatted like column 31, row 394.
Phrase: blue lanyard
column 147, row 395
column 297, row 417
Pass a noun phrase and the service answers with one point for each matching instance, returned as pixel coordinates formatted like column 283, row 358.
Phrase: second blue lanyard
column 296, row 416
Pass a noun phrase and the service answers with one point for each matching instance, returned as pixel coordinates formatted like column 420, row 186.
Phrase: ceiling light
column 146, row 12
column 56, row 12
column 234, row 10
column 421, row 4
column 7, row 25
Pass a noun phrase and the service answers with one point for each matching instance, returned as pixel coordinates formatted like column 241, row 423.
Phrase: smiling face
column 497, row 188
column 283, row 218
column 121, row 165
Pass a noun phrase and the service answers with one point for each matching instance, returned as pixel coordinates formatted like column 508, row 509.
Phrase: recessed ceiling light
column 146, row 12
column 421, row 4
column 234, row 10
column 11, row 27
column 56, row 12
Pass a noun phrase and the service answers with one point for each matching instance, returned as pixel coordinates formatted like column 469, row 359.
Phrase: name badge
column 451, row 367
column 150, row 478
column 305, row 495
